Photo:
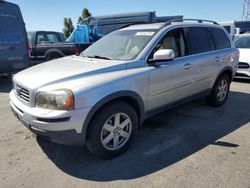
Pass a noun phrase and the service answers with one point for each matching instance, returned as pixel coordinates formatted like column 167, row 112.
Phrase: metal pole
column 246, row 11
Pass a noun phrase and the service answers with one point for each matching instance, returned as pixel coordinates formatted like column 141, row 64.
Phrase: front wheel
column 220, row 91
column 112, row 130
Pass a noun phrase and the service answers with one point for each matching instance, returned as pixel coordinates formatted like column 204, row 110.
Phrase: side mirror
column 163, row 55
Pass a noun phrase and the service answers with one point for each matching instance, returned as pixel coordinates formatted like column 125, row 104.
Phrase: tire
column 220, row 91
column 52, row 56
column 103, row 133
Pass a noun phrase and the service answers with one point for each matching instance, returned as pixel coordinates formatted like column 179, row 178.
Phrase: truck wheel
column 220, row 91
column 52, row 56
column 112, row 130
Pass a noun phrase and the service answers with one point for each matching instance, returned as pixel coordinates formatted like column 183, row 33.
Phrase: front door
column 171, row 81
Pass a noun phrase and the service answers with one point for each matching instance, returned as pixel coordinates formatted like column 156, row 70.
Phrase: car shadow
column 162, row 141
column 5, row 84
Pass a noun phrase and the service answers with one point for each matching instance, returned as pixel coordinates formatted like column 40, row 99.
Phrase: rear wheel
column 220, row 91
column 52, row 56
column 112, row 130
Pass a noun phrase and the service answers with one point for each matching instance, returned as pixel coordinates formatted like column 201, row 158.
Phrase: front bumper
column 64, row 127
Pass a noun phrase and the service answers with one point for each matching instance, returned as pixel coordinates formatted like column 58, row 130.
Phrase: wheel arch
column 228, row 71
column 129, row 97
column 54, row 51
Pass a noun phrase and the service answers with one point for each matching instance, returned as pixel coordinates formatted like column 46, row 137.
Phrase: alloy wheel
column 116, row 131
column 222, row 90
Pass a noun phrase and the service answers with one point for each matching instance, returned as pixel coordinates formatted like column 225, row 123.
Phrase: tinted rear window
column 200, row 40
column 220, row 38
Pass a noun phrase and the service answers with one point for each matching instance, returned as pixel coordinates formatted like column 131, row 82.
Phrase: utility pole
column 246, row 11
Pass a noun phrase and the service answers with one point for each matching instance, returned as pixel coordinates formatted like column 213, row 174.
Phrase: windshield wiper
column 98, row 57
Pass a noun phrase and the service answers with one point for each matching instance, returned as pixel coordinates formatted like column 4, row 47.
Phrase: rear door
column 204, row 58
column 222, row 46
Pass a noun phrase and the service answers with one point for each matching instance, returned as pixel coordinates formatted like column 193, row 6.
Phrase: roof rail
column 182, row 20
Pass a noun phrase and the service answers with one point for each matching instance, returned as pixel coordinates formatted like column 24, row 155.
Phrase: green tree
column 85, row 14
column 68, row 27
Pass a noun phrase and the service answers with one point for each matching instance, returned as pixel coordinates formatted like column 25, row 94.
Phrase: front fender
column 109, row 98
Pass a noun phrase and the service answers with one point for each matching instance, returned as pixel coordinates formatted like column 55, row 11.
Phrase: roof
column 9, row 3
column 243, row 35
column 145, row 26
column 43, row 31
column 164, row 24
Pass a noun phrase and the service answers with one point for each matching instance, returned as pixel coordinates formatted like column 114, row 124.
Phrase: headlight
column 56, row 100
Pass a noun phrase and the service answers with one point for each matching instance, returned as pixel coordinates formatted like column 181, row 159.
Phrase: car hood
column 244, row 55
column 65, row 69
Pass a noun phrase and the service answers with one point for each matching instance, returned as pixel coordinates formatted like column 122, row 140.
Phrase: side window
column 172, row 40
column 200, row 40
column 220, row 38
column 40, row 38
column 53, row 37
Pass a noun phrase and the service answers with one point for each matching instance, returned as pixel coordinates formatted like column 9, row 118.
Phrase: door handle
column 188, row 66
column 217, row 59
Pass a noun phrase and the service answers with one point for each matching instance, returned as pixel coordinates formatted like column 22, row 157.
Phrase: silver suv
column 101, row 97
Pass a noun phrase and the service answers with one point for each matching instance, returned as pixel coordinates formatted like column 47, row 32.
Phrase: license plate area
column 20, row 118
column 14, row 113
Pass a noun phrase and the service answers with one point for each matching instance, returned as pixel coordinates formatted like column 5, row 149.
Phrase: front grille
column 23, row 93
column 243, row 65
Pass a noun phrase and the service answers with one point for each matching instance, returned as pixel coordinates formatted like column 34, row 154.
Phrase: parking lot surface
column 192, row 145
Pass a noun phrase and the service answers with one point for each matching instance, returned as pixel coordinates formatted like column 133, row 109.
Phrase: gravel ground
column 192, row 145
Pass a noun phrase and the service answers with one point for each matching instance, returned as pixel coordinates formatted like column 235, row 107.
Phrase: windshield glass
column 243, row 42
column 120, row 45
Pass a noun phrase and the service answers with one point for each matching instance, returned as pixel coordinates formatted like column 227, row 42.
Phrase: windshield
column 243, row 42
column 120, row 45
